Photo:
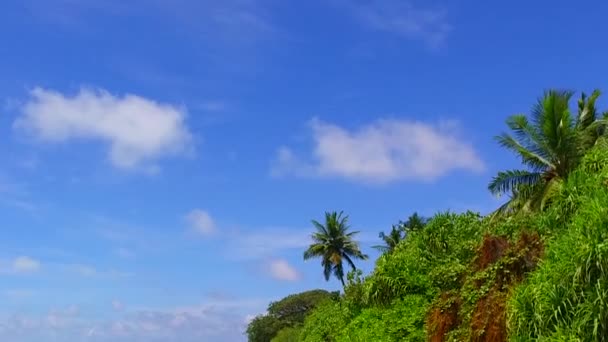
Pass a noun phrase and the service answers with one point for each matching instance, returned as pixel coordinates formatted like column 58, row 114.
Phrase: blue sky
column 160, row 161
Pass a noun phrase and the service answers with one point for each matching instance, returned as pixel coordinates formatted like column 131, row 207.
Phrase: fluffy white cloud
column 137, row 130
column 201, row 222
column 281, row 270
column 24, row 264
column 384, row 151
column 403, row 18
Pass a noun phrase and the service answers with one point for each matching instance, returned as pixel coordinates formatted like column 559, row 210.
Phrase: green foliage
column 403, row 320
column 326, row 323
column 294, row 308
column 430, row 259
column 398, row 232
column 290, row 334
column 263, row 328
column 285, row 316
column 391, row 240
column 567, row 298
column 390, row 304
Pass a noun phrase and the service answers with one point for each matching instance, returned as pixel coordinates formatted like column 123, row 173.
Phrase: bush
column 290, row 334
column 325, row 323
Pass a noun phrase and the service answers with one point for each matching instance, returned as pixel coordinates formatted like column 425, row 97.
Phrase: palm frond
column 381, row 248
column 507, row 181
column 530, row 158
column 320, row 228
column 529, row 136
column 587, row 113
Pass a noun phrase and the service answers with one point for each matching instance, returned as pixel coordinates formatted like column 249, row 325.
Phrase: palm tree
column 391, row 240
column 551, row 145
column 398, row 232
column 333, row 244
column 414, row 223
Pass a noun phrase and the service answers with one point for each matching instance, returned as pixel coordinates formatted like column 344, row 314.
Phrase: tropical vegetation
column 534, row 270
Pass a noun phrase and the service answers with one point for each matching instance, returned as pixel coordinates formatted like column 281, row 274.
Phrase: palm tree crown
column 551, row 144
column 398, row 232
column 391, row 240
column 334, row 244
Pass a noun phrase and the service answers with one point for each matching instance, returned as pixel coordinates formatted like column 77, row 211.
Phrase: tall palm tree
column 551, row 144
column 333, row 243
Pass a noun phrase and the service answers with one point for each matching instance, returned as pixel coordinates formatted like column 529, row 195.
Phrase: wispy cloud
column 15, row 195
column 201, row 222
column 19, row 293
column 89, row 271
column 227, row 22
column 280, row 269
column 138, row 131
column 381, row 152
column 403, row 18
column 25, row 264
column 20, row 265
column 265, row 242
column 222, row 321
column 232, row 23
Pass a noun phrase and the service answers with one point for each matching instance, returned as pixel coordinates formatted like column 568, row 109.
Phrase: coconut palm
column 551, row 144
column 414, row 223
column 398, row 232
column 334, row 244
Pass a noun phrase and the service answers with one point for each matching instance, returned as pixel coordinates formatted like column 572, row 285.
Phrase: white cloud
column 381, row 152
column 281, row 270
column 201, row 222
column 24, row 264
column 138, row 130
column 403, row 18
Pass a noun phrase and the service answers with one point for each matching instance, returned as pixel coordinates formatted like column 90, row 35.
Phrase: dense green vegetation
column 536, row 269
column 284, row 318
